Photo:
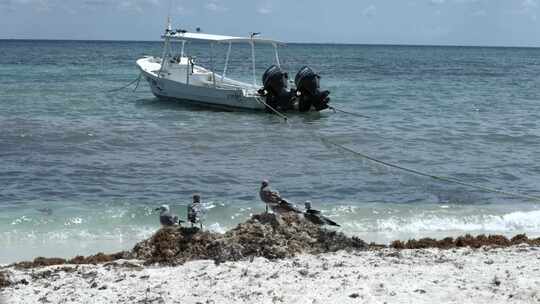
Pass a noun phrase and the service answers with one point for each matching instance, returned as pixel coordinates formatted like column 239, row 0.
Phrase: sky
column 426, row 22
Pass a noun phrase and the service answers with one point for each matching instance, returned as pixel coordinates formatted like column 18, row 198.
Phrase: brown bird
column 269, row 197
column 273, row 200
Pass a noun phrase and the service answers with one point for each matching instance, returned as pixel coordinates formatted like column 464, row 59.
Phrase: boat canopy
column 217, row 38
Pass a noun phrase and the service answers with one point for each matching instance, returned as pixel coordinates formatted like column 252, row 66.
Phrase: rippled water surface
column 100, row 162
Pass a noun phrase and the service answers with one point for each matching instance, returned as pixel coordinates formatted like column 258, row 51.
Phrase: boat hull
column 164, row 88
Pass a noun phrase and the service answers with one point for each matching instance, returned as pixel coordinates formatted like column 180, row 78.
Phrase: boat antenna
column 169, row 25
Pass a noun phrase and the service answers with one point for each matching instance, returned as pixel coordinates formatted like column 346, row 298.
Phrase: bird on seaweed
column 194, row 211
column 316, row 217
column 268, row 196
column 285, row 207
column 273, row 200
column 166, row 218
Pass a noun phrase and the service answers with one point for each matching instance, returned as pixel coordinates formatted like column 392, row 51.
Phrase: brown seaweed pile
column 4, row 279
column 78, row 260
column 264, row 235
column 466, row 241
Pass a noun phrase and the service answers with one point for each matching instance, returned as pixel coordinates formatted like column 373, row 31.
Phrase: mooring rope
column 435, row 177
column 137, row 80
column 346, row 112
column 273, row 110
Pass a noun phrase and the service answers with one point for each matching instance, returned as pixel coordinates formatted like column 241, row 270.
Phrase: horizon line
column 293, row 42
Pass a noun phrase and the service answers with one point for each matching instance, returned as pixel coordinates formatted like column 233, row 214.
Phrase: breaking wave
column 510, row 222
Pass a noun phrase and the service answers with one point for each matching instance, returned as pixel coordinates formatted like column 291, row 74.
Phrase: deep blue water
column 102, row 161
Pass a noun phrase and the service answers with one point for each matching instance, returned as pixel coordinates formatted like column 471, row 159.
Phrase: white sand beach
column 462, row 275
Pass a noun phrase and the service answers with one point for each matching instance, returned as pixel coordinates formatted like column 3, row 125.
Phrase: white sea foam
column 71, row 234
column 21, row 220
column 216, row 227
column 510, row 222
column 73, row 221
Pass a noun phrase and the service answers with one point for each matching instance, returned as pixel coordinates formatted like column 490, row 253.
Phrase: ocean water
column 101, row 162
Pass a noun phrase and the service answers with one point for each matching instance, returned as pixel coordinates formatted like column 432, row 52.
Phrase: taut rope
column 435, row 177
column 273, row 110
column 350, row 113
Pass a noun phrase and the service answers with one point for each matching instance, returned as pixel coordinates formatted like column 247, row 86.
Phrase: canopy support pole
column 226, row 62
column 277, row 55
column 253, row 61
column 188, row 69
column 212, row 63
column 182, row 52
column 163, row 59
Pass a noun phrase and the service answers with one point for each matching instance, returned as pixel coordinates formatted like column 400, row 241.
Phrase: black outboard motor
column 307, row 88
column 275, row 89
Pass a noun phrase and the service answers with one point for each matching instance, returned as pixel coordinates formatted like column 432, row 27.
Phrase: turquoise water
column 101, row 162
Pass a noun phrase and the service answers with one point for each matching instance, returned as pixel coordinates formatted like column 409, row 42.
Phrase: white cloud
column 215, row 7
column 180, row 10
column 95, row 2
column 529, row 4
column 479, row 13
column 529, row 8
column 136, row 5
column 130, row 6
column 36, row 5
column 369, row 11
column 264, row 9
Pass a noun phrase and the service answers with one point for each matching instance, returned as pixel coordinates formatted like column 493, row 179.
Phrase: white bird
column 166, row 218
column 195, row 211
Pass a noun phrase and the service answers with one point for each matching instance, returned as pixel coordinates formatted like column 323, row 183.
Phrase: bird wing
column 288, row 207
column 166, row 219
column 268, row 196
column 313, row 218
column 275, row 195
column 191, row 214
column 328, row 221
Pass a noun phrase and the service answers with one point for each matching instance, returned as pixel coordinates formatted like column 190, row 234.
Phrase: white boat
column 177, row 76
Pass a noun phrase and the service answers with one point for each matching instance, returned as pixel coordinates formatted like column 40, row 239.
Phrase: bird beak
column 157, row 209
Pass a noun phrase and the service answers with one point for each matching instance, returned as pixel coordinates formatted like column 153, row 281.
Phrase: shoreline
column 270, row 259
column 263, row 235
column 448, row 243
